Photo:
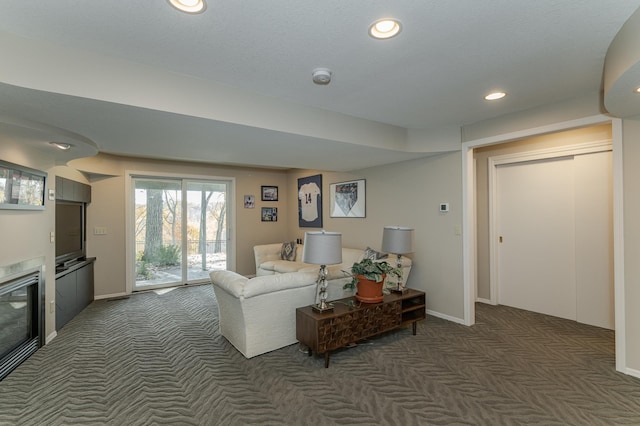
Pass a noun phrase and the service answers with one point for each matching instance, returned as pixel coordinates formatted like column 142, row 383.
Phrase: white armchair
column 258, row 315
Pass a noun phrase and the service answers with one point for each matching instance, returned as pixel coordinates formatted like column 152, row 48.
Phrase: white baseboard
column 445, row 317
column 487, row 301
column 632, row 372
column 110, row 296
column 50, row 337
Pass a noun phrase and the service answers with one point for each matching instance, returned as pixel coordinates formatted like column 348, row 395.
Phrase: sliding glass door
column 206, row 228
column 181, row 230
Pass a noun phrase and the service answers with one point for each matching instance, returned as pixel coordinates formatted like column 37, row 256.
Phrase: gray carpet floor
column 159, row 359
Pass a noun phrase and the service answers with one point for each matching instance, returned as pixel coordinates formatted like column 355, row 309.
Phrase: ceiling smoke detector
column 321, row 76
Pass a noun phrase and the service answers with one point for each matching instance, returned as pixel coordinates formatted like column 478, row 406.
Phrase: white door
column 536, row 263
column 555, row 220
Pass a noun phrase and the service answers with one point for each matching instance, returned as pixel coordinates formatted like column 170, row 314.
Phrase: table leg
column 326, row 359
column 415, row 325
column 309, row 351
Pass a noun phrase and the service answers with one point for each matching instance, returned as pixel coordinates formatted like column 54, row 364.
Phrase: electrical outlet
column 52, row 237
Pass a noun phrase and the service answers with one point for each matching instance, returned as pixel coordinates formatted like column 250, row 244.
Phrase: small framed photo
column 269, row 214
column 348, row 199
column 269, row 193
column 249, row 201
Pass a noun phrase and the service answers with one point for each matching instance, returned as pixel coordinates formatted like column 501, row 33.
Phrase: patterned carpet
column 159, row 359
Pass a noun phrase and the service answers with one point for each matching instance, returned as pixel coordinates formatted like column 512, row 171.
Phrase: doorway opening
column 180, row 230
column 550, row 229
column 470, row 264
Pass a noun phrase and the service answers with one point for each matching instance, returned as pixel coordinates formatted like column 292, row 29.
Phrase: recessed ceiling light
column 636, row 90
column 494, row 96
column 61, row 145
column 384, row 28
column 188, row 6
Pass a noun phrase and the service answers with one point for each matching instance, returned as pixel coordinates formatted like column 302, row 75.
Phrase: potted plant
column 368, row 277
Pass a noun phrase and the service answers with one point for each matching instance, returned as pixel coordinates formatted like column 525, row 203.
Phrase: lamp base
column 318, row 308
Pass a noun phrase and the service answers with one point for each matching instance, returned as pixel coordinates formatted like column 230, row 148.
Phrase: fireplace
column 21, row 313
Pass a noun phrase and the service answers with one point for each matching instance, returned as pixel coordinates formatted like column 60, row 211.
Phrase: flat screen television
column 70, row 231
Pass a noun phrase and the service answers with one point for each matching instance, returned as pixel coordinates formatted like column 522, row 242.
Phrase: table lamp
column 322, row 248
column 398, row 240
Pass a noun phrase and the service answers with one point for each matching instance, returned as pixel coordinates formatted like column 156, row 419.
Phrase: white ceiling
column 233, row 85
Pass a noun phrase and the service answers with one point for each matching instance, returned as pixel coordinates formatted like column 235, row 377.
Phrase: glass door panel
column 181, row 230
column 158, row 232
column 206, row 228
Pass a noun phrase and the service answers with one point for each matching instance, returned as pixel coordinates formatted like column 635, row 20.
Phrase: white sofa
column 257, row 315
column 269, row 262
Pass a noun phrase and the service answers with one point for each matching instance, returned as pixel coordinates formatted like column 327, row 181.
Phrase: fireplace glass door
column 19, row 322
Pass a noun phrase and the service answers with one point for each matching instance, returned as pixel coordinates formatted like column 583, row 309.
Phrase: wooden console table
column 327, row 331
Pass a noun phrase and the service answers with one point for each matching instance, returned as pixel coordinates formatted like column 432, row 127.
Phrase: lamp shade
column 322, row 248
column 397, row 239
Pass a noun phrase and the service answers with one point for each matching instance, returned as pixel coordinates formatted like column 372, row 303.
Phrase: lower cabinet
column 74, row 291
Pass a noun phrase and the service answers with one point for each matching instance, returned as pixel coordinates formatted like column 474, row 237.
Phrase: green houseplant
column 369, row 271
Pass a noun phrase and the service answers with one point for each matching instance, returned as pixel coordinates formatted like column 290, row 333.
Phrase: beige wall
column 408, row 194
column 25, row 234
column 481, row 156
column 107, row 209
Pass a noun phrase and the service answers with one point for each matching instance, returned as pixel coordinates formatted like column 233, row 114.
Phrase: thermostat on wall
column 444, row 207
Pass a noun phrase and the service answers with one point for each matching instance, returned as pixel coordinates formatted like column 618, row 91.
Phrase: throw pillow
column 288, row 251
column 370, row 253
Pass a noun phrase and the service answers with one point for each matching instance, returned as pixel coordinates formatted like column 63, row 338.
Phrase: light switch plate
column 100, row 230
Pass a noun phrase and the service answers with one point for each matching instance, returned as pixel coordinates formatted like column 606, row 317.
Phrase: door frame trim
column 129, row 194
column 521, row 157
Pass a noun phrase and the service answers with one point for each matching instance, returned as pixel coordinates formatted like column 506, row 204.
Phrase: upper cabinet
column 70, row 190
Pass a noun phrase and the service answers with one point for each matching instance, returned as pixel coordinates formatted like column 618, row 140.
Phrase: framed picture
column 249, row 201
column 269, row 214
column 21, row 188
column 348, row 199
column 310, row 202
column 269, row 193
